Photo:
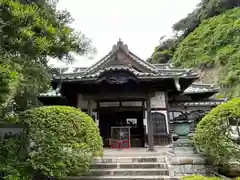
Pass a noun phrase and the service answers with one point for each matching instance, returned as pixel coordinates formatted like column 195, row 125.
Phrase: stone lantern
column 182, row 132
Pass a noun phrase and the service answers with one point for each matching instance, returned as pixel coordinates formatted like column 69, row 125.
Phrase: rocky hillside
column 214, row 48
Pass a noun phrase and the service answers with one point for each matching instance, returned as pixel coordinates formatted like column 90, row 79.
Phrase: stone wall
column 188, row 164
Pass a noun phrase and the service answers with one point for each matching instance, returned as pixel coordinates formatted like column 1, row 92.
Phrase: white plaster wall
column 159, row 100
column 83, row 104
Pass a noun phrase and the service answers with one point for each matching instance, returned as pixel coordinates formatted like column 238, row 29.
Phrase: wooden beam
column 98, row 108
column 116, row 96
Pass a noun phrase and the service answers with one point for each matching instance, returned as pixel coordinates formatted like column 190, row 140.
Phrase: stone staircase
column 127, row 167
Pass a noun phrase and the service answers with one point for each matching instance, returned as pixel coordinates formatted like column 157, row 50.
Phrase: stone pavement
column 136, row 151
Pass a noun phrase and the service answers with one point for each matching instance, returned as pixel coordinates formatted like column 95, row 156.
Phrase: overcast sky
column 139, row 23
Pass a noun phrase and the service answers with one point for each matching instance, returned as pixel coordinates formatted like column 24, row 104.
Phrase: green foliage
column 199, row 177
column 59, row 141
column 31, row 32
column 160, row 57
column 215, row 43
column 8, row 81
column 10, row 162
column 214, row 135
column 37, row 32
column 205, row 10
column 163, row 53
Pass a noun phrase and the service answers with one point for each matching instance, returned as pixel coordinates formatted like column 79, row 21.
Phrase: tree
column 163, row 53
column 215, row 44
column 30, row 34
column 58, row 141
column 8, row 85
column 205, row 10
column 218, row 133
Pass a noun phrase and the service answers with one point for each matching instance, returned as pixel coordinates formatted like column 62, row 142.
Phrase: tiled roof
column 163, row 66
column 200, row 103
column 201, row 88
column 112, row 53
column 164, row 73
column 159, row 71
column 114, row 68
column 69, row 70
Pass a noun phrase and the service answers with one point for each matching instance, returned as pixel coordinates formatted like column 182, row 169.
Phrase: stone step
column 128, row 159
column 129, row 165
column 135, row 152
column 128, row 172
column 124, row 178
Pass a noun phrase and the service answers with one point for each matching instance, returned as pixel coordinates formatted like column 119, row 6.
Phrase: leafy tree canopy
column 34, row 31
column 218, row 133
column 163, row 53
column 8, row 85
column 31, row 32
column 205, row 10
column 215, row 44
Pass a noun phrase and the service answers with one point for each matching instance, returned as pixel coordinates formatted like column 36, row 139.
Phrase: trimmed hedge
column 60, row 141
column 213, row 134
column 199, row 177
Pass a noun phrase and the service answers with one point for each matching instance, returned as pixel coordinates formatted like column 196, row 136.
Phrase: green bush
column 214, row 133
column 199, row 177
column 60, row 141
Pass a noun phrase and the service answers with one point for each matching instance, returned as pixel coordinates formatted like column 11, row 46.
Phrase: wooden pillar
column 79, row 98
column 90, row 108
column 98, row 111
column 149, row 124
column 167, row 115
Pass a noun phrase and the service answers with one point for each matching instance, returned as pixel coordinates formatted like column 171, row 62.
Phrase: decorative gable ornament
column 117, row 78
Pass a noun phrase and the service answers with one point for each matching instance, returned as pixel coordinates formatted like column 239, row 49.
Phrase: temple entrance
column 114, row 117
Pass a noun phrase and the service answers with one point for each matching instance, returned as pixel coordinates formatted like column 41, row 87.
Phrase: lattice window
column 159, row 123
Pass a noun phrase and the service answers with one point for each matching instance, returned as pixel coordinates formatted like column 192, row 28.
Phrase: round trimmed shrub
column 199, row 177
column 215, row 135
column 60, row 141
